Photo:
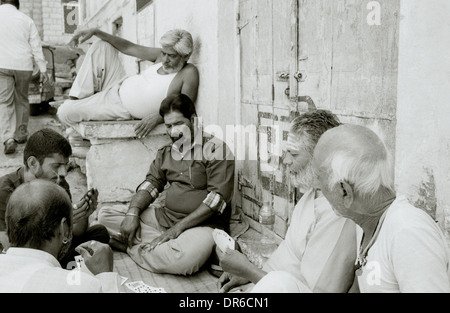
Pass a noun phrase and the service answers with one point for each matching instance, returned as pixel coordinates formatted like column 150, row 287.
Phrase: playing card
column 80, row 261
column 141, row 287
column 223, row 240
column 123, row 279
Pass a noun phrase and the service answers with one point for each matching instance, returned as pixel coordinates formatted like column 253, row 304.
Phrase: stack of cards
column 141, row 287
column 223, row 240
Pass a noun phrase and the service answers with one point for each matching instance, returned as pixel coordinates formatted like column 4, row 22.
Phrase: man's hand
column 44, row 78
column 228, row 281
column 128, row 228
column 147, row 124
column 98, row 257
column 170, row 234
column 86, row 206
column 234, row 262
column 81, row 37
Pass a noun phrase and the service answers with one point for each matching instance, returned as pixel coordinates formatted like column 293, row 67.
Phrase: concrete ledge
column 114, row 129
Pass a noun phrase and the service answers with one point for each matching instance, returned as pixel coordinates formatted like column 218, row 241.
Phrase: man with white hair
column 318, row 252
column 102, row 90
column 402, row 249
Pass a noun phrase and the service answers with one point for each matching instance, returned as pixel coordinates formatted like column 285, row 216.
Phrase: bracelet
column 132, row 214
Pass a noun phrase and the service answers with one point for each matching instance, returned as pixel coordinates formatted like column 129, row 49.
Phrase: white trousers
column 97, row 88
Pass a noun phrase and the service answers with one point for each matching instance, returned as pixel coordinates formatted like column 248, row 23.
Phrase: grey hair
column 367, row 172
column 312, row 125
column 180, row 40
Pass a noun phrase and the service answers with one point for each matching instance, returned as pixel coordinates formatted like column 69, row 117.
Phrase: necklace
column 361, row 260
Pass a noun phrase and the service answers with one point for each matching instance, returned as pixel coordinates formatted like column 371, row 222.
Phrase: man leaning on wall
column 102, row 90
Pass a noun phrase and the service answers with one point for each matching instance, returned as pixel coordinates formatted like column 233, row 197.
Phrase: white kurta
column 36, row 271
column 410, row 254
column 319, row 249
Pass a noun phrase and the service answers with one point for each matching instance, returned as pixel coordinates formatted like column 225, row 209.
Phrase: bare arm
column 191, row 82
column 123, row 45
column 237, row 264
column 131, row 223
column 189, row 86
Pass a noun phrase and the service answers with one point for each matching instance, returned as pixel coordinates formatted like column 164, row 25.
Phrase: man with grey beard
column 318, row 253
column 102, row 91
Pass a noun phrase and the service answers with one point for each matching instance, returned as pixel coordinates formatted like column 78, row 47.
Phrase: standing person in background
column 20, row 46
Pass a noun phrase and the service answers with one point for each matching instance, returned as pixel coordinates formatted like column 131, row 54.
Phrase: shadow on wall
column 196, row 55
column 426, row 195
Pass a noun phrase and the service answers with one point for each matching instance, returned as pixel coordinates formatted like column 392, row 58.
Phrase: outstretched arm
column 123, row 45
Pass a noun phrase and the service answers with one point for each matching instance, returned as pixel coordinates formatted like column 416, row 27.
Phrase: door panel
column 266, row 51
column 320, row 52
column 351, row 65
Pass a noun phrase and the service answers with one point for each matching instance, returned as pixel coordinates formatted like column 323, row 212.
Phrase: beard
column 173, row 69
column 305, row 178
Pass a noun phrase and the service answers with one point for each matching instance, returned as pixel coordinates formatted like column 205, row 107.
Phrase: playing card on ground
column 141, row 287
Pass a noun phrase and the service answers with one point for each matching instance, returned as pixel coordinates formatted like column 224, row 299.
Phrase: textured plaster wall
column 211, row 23
column 423, row 109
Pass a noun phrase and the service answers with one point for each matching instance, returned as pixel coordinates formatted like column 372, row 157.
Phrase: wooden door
column 267, row 57
column 297, row 55
column 348, row 52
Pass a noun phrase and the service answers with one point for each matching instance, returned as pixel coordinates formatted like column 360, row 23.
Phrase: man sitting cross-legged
column 103, row 92
column 177, row 238
column 318, row 252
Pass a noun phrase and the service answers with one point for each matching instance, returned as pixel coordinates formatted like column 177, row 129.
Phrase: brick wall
column 53, row 22
column 49, row 19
